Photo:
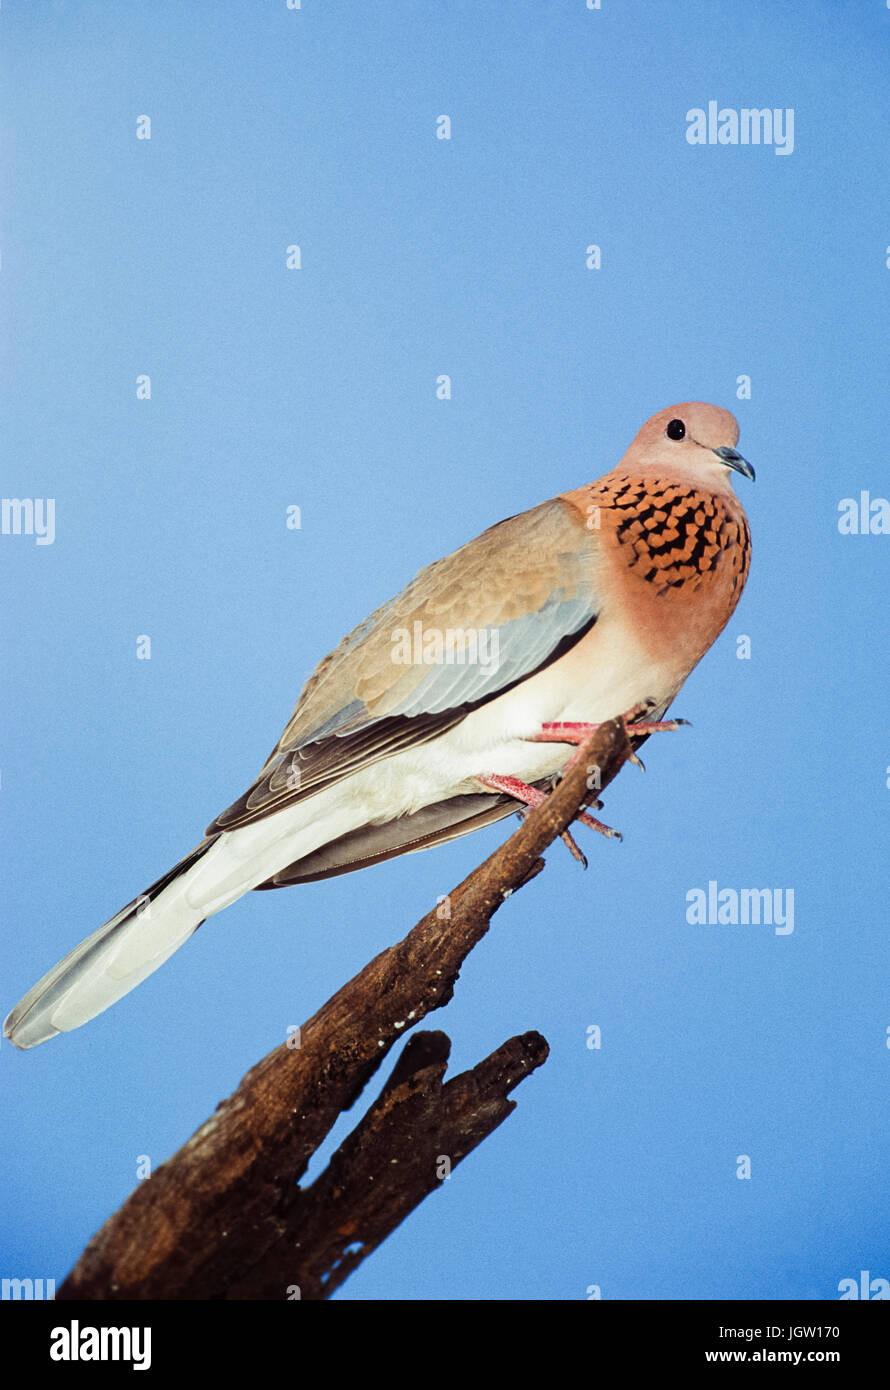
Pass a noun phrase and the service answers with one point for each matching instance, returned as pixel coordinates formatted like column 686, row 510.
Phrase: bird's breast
column 676, row 567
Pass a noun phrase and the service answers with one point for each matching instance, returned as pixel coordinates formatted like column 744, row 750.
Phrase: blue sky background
column 316, row 388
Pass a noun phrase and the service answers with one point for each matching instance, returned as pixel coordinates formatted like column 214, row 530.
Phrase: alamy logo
column 39, row 1289
column 450, row 646
column 748, row 126
column 864, row 1287
column 864, row 515
column 76, row 1343
column 741, row 907
column 29, row 516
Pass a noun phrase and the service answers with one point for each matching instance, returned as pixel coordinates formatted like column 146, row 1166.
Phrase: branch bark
column 224, row 1217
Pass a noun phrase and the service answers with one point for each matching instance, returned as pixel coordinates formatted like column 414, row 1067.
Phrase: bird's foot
column 571, row 732
column 533, row 796
column 635, row 725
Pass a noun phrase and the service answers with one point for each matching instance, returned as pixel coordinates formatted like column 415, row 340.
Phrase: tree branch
column 224, row 1218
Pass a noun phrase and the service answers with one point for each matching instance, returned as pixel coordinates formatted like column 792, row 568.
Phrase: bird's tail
column 114, row 959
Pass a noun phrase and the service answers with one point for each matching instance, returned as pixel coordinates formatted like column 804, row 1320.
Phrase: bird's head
column 694, row 440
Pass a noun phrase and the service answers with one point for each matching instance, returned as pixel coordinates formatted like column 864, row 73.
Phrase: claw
column 657, row 726
column 532, row 796
column 595, row 824
column 574, row 849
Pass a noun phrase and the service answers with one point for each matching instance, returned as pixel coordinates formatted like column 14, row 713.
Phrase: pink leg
column 577, row 733
column 531, row 796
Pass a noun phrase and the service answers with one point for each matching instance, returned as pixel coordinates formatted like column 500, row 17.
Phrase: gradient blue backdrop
column 316, row 388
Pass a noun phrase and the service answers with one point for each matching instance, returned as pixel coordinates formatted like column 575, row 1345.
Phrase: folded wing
column 464, row 631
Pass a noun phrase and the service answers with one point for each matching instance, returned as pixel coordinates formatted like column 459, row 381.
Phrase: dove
column 461, row 700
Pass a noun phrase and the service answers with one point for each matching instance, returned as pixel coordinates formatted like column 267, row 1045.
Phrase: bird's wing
column 462, row 632
column 371, row 844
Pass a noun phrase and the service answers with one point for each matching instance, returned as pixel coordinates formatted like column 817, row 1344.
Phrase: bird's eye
column 676, row 430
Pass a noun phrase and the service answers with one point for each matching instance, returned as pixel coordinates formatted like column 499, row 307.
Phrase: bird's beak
column 734, row 460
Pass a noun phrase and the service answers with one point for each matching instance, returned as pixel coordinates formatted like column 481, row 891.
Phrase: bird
column 462, row 700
